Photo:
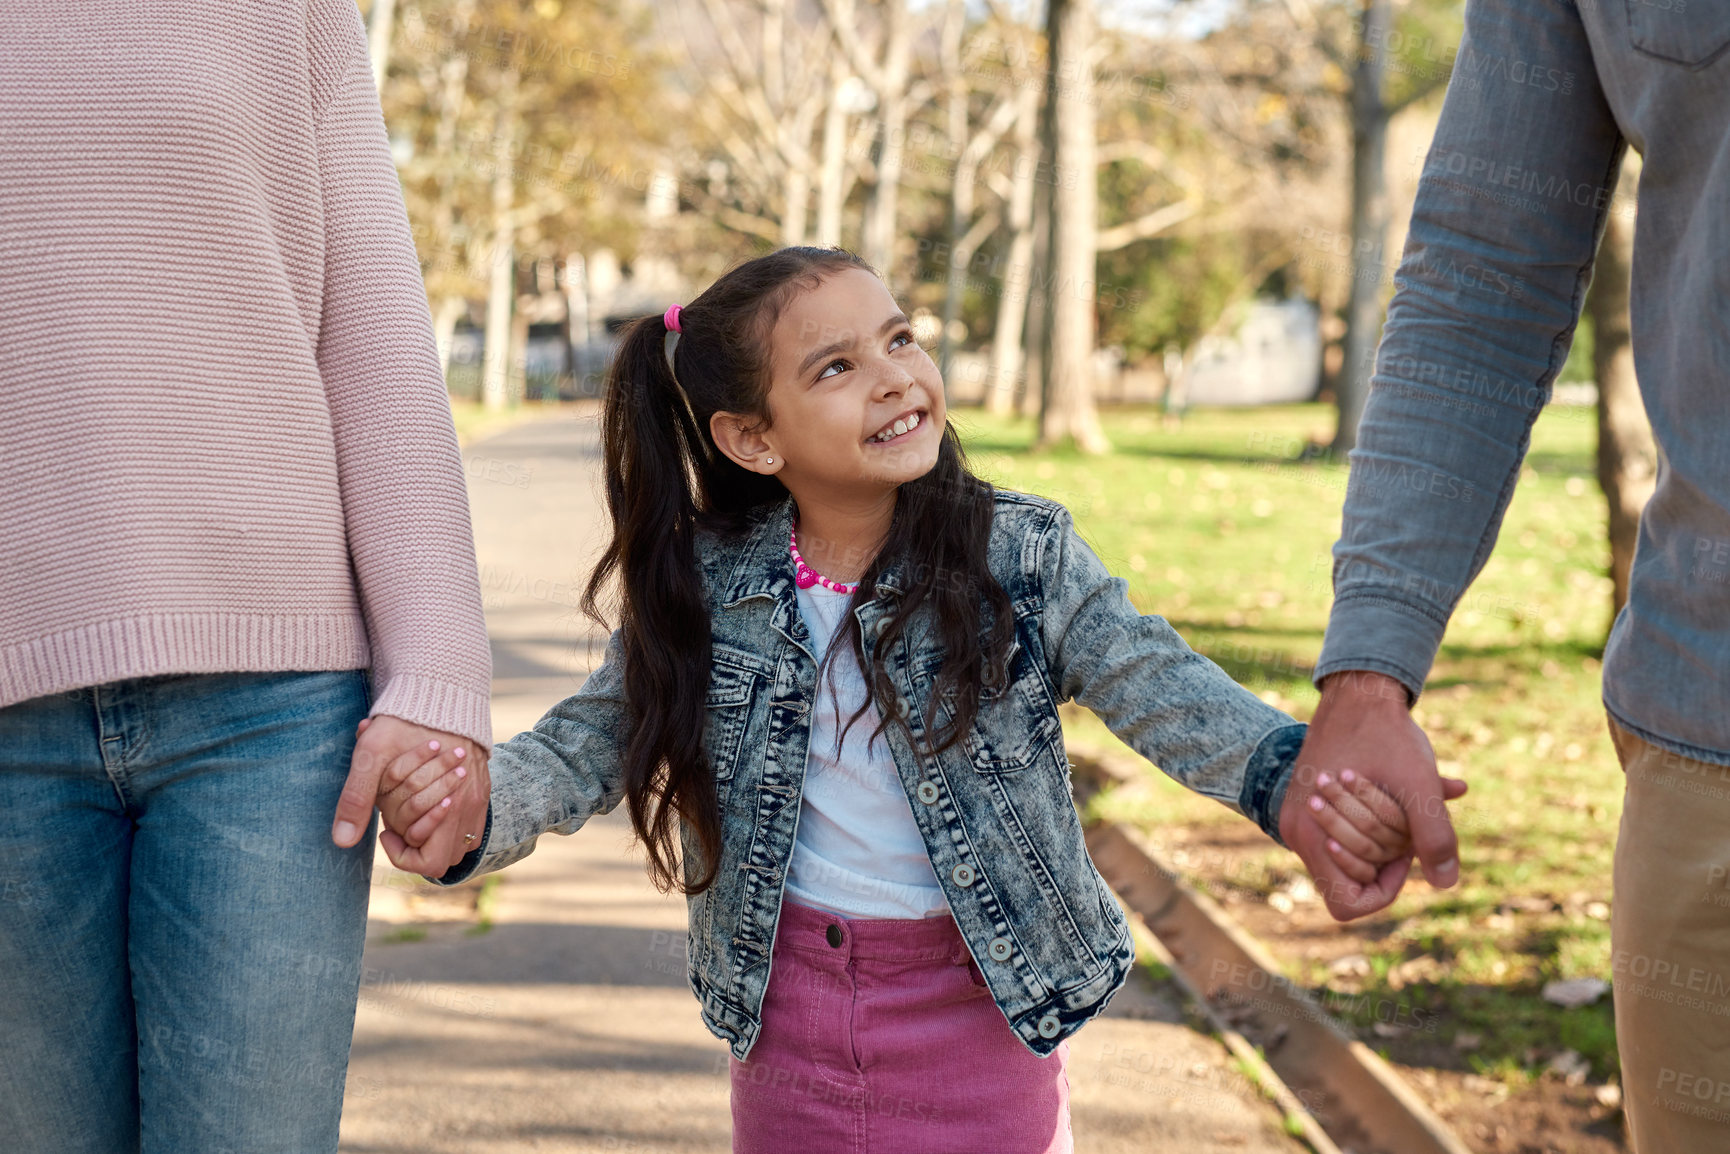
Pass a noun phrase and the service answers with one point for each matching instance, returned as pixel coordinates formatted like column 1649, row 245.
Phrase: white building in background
column 1274, row 357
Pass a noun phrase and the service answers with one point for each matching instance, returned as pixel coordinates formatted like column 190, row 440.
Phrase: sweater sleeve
column 405, row 503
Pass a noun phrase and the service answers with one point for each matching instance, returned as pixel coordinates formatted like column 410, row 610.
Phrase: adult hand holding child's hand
column 408, row 770
column 1363, row 724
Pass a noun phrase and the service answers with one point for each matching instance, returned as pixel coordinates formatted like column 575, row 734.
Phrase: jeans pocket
column 1693, row 33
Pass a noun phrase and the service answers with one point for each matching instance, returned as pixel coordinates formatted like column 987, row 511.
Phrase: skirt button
column 833, row 933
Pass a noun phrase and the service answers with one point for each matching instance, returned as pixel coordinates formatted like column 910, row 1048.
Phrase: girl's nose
column 893, row 378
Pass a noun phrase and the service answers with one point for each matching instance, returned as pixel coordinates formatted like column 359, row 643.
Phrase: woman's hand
column 415, row 791
column 387, row 757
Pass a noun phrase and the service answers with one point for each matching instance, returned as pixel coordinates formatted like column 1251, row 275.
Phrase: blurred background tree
column 520, row 129
column 1055, row 222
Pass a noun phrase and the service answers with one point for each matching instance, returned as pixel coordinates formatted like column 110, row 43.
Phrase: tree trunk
column 519, row 354
column 831, row 187
column 501, row 286
column 880, row 215
column 1036, row 380
column 1369, row 224
column 1069, row 410
column 380, row 26
column 797, row 190
column 961, row 191
column 1007, row 360
column 453, row 88
column 964, row 240
column 1627, row 456
column 445, row 316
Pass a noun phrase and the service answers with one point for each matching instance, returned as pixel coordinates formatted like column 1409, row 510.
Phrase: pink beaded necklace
column 804, row 576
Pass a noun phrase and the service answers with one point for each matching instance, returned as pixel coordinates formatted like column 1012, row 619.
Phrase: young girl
column 831, row 707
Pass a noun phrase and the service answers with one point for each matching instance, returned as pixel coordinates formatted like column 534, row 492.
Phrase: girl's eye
column 903, row 335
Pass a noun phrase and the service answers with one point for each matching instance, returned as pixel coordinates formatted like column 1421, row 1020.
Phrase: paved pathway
column 563, row 1022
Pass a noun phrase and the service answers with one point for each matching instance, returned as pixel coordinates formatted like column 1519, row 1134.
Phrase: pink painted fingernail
column 460, row 751
column 1316, row 804
column 1333, row 845
column 433, row 745
column 462, row 772
column 1324, row 780
column 1348, row 776
column 445, row 804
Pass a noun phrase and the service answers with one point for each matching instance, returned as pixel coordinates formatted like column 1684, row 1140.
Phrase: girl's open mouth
column 897, row 428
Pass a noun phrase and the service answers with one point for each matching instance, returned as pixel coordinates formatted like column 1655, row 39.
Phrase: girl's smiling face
column 856, row 402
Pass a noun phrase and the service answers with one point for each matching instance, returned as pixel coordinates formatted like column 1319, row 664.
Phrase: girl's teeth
column 906, row 425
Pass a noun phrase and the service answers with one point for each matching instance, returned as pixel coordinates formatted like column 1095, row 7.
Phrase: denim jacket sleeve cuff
column 465, row 869
column 1267, row 775
column 1382, row 636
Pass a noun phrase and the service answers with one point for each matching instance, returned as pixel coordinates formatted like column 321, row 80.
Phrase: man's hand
column 1363, row 724
column 390, row 745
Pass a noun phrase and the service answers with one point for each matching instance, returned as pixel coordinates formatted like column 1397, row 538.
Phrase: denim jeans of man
column 180, row 940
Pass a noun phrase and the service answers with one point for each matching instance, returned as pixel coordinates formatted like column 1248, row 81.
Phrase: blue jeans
column 180, row 940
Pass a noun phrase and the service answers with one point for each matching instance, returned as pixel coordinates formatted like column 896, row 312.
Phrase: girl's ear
column 744, row 444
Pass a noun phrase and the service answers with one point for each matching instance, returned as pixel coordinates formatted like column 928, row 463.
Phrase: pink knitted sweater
column 224, row 438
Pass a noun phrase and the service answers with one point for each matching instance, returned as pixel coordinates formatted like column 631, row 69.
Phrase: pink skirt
column 879, row 1037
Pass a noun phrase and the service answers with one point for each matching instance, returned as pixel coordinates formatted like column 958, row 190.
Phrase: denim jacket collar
column 765, row 568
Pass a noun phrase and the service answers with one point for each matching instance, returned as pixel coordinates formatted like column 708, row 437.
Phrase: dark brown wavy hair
column 666, row 480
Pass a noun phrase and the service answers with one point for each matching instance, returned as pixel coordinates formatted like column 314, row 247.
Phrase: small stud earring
column 768, row 460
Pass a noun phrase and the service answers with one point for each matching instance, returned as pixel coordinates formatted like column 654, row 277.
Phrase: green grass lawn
column 1217, row 529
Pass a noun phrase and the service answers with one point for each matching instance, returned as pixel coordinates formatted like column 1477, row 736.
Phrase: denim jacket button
column 927, row 793
column 999, row 949
column 962, row 875
column 1049, row 1025
column 901, row 706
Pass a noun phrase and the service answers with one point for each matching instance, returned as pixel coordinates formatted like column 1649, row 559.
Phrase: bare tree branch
column 844, row 20
column 1144, row 227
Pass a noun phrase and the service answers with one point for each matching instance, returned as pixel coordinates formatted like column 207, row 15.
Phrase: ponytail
column 652, row 449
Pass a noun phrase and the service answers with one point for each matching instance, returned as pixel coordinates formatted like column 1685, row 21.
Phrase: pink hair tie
column 671, row 318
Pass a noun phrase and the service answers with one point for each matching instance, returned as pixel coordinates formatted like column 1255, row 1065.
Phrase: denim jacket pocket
column 1017, row 721
column 1688, row 32
column 728, row 715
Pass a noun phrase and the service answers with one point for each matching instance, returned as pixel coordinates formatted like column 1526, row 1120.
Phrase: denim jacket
column 995, row 809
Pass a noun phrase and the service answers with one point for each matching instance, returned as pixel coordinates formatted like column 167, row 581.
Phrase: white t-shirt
column 858, row 852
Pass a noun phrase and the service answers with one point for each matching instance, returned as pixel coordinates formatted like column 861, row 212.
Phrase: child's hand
column 414, row 793
column 1365, row 824
column 1366, row 827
